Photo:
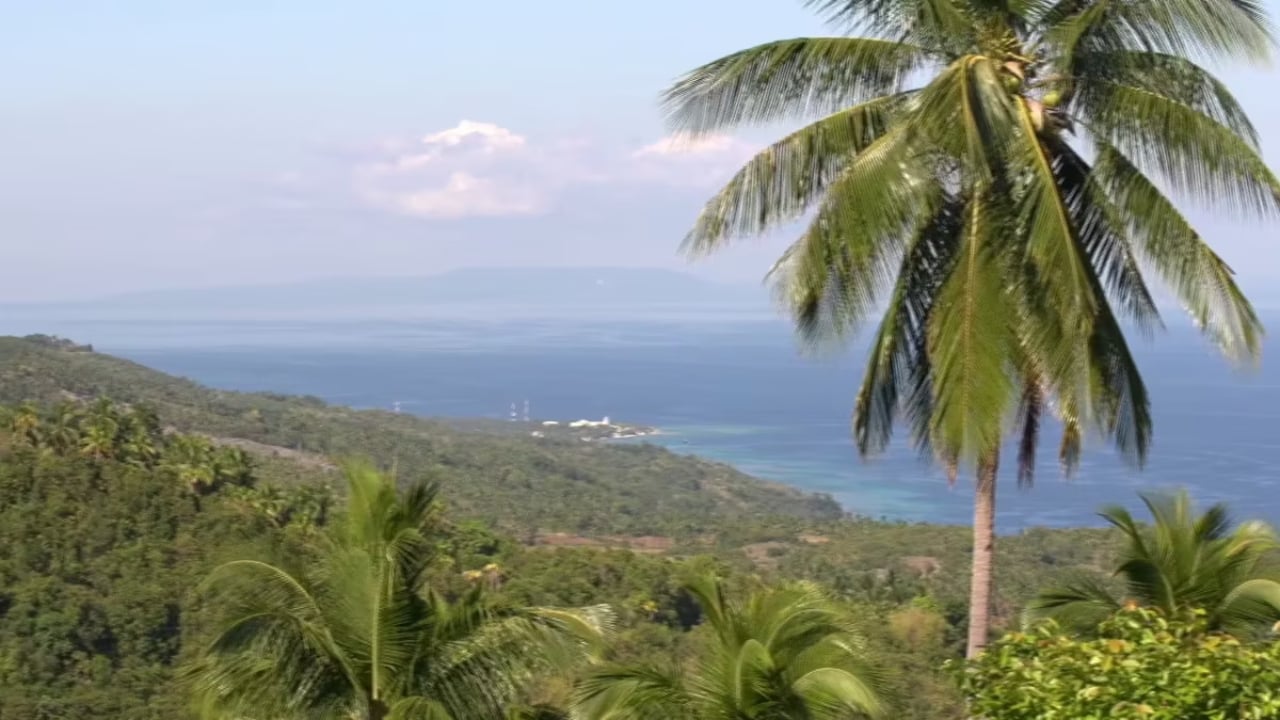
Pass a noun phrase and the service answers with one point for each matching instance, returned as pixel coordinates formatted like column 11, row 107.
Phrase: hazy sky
column 152, row 143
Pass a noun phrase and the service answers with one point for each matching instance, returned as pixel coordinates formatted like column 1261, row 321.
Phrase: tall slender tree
column 994, row 177
column 359, row 634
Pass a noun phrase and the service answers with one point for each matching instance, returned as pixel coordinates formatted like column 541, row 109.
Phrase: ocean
column 733, row 389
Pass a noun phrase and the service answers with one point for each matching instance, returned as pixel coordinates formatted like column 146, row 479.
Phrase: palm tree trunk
column 984, row 521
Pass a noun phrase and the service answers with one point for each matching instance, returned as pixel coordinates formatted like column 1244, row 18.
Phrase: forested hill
column 524, row 484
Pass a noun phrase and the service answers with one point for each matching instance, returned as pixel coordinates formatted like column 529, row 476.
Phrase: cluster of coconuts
column 1014, row 80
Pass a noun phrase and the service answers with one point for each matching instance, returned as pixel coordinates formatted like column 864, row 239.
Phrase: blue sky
column 151, row 144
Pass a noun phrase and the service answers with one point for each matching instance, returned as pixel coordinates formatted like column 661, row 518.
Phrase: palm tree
column 64, row 427
column 785, row 654
column 232, row 465
column 27, row 424
column 358, row 634
column 190, row 459
column 100, row 430
column 141, row 437
column 1183, row 562
column 990, row 173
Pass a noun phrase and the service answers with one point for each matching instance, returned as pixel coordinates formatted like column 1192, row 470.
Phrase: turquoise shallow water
column 737, row 392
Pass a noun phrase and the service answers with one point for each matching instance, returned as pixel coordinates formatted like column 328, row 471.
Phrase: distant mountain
column 525, row 287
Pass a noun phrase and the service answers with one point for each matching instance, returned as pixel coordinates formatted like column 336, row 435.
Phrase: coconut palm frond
column 782, row 182
column 1166, row 240
column 781, row 652
column 353, row 632
column 803, row 77
column 834, row 275
column 897, row 376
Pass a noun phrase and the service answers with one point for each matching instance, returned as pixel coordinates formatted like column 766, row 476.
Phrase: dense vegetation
column 112, row 514
column 97, row 559
column 998, row 181
column 1140, row 664
column 522, row 484
column 104, row 551
column 104, row 542
column 357, row 628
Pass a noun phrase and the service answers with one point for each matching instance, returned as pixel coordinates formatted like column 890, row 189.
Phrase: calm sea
column 731, row 389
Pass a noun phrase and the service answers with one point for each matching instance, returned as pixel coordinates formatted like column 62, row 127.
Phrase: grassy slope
column 519, row 483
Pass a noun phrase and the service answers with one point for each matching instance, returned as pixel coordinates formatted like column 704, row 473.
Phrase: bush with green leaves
column 1142, row 664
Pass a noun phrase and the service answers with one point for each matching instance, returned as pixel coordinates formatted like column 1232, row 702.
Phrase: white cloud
column 681, row 144
column 491, row 137
column 462, row 171
column 482, row 169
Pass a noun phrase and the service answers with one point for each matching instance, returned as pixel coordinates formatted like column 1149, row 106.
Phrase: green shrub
column 1141, row 665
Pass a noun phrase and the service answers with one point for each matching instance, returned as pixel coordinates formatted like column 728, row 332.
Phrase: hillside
column 522, row 484
column 101, row 550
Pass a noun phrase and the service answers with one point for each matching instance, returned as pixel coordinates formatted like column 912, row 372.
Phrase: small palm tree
column 27, row 424
column 191, row 460
column 140, row 437
column 990, row 176
column 358, row 634
column 785, row 654
column 98, row 438
column 1182, row 562
column 232, row 466
column 63, row 428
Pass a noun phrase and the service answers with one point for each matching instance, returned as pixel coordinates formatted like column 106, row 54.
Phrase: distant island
column 565, row 288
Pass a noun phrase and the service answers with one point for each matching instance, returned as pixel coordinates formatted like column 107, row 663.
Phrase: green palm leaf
column 1171, row 76
column 782, row 182
column 1202, row 281
column 1213, row 29
column 800, row 77
column 356, row 634
column 936, row 24
column 781, row 653
column 969, row 340
column 1198, row 156
column 833, row 276
column 898, row 367
column 1182, row 562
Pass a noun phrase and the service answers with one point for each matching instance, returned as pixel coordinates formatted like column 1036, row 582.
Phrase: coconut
column 1036, row 110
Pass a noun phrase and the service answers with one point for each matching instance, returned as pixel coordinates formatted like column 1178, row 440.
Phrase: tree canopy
column 358, row 631
column 781, row 653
